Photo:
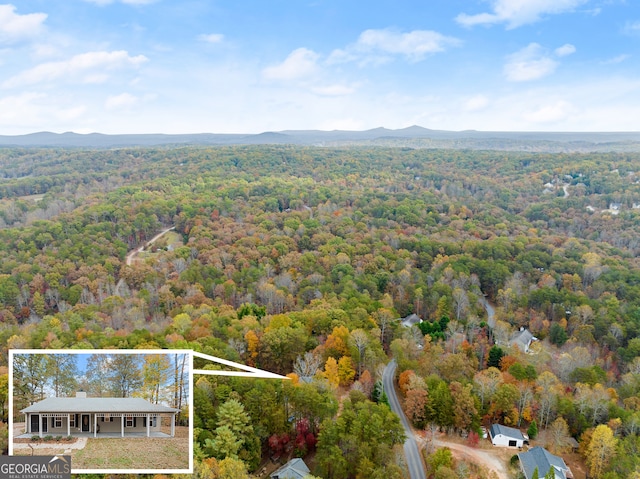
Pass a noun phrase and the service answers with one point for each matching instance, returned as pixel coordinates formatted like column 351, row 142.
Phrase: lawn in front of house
column 124, row 453
column 134, row 453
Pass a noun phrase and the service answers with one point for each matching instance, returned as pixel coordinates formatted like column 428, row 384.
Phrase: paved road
column 491, row 313
column 411, row 452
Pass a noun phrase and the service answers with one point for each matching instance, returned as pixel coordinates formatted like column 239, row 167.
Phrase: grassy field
column 34, row 198
column 170, row 238
column 126, row 453
column 136, row 453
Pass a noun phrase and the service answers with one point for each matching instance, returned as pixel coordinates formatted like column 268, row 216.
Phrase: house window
column 128, row 421
column 152, row 421
column 72, row 420
column 58, row 422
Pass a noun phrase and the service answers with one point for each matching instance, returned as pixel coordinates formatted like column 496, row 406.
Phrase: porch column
column 148, row 417
column 27, row 423
column 68, row 424
column 122, row 425
column 41, row 425
column 95, row 425
column 173, row 425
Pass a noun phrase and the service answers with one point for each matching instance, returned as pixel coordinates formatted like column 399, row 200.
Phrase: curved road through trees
column 491, row 313
column 411, row 452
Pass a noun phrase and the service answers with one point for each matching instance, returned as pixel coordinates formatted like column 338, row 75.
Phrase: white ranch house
column 81, row 415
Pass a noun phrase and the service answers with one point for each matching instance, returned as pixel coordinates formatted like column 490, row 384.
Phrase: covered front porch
column 122, row 424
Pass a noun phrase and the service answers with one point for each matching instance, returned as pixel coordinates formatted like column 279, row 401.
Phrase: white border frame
column 188, row 352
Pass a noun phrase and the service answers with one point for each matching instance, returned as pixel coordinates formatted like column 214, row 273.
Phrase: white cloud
column 617, row 59
column 632, row 28
column 333, row 90
column 19, row 109
column 120, row 102
column 552, row 113
column 564, row 50
column 528, row 64
column 86, row 67
column 299, row 64
column 44, row 50
column 378, row 45
column 211, row 37
column 15, row 27
column 69, row 114
column 414, row 45
column 516, row 13
column 476, row 103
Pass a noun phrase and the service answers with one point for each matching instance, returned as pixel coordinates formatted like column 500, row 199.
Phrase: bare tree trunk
column 181, row 388
column 175, row 383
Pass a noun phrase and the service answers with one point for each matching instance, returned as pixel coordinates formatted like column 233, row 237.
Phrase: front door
column 35, row 423
column 85, row 423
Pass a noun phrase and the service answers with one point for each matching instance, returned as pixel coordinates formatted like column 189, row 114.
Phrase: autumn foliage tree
column 601, row 450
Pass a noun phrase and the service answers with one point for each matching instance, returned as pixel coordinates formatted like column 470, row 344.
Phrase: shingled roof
column 96, row 405
column 294, row 469
column 539, row 457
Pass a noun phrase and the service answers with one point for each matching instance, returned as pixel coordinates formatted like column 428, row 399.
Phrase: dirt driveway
column 494, row 459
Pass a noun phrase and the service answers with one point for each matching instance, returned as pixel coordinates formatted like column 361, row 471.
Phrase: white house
column 83, row 415
column 505, row 436
column 523, row 339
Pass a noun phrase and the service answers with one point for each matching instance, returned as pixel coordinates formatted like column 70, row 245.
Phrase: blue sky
column 248, row 66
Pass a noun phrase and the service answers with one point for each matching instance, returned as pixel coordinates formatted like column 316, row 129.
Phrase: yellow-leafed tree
column 331, row 372
column 600, row 450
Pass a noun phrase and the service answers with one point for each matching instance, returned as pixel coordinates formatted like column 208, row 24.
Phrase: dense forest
column 300, row 260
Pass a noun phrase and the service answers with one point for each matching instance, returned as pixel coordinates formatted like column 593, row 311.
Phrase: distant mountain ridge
column 413, row 137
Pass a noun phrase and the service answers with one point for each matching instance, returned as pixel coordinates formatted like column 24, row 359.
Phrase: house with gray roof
column 541, row 459
column 110, row 417
column 294, row 469
column 522, row 340
column 506, row 436
column 411, row 320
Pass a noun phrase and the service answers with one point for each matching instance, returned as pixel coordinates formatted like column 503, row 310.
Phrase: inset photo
column 115, row 411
